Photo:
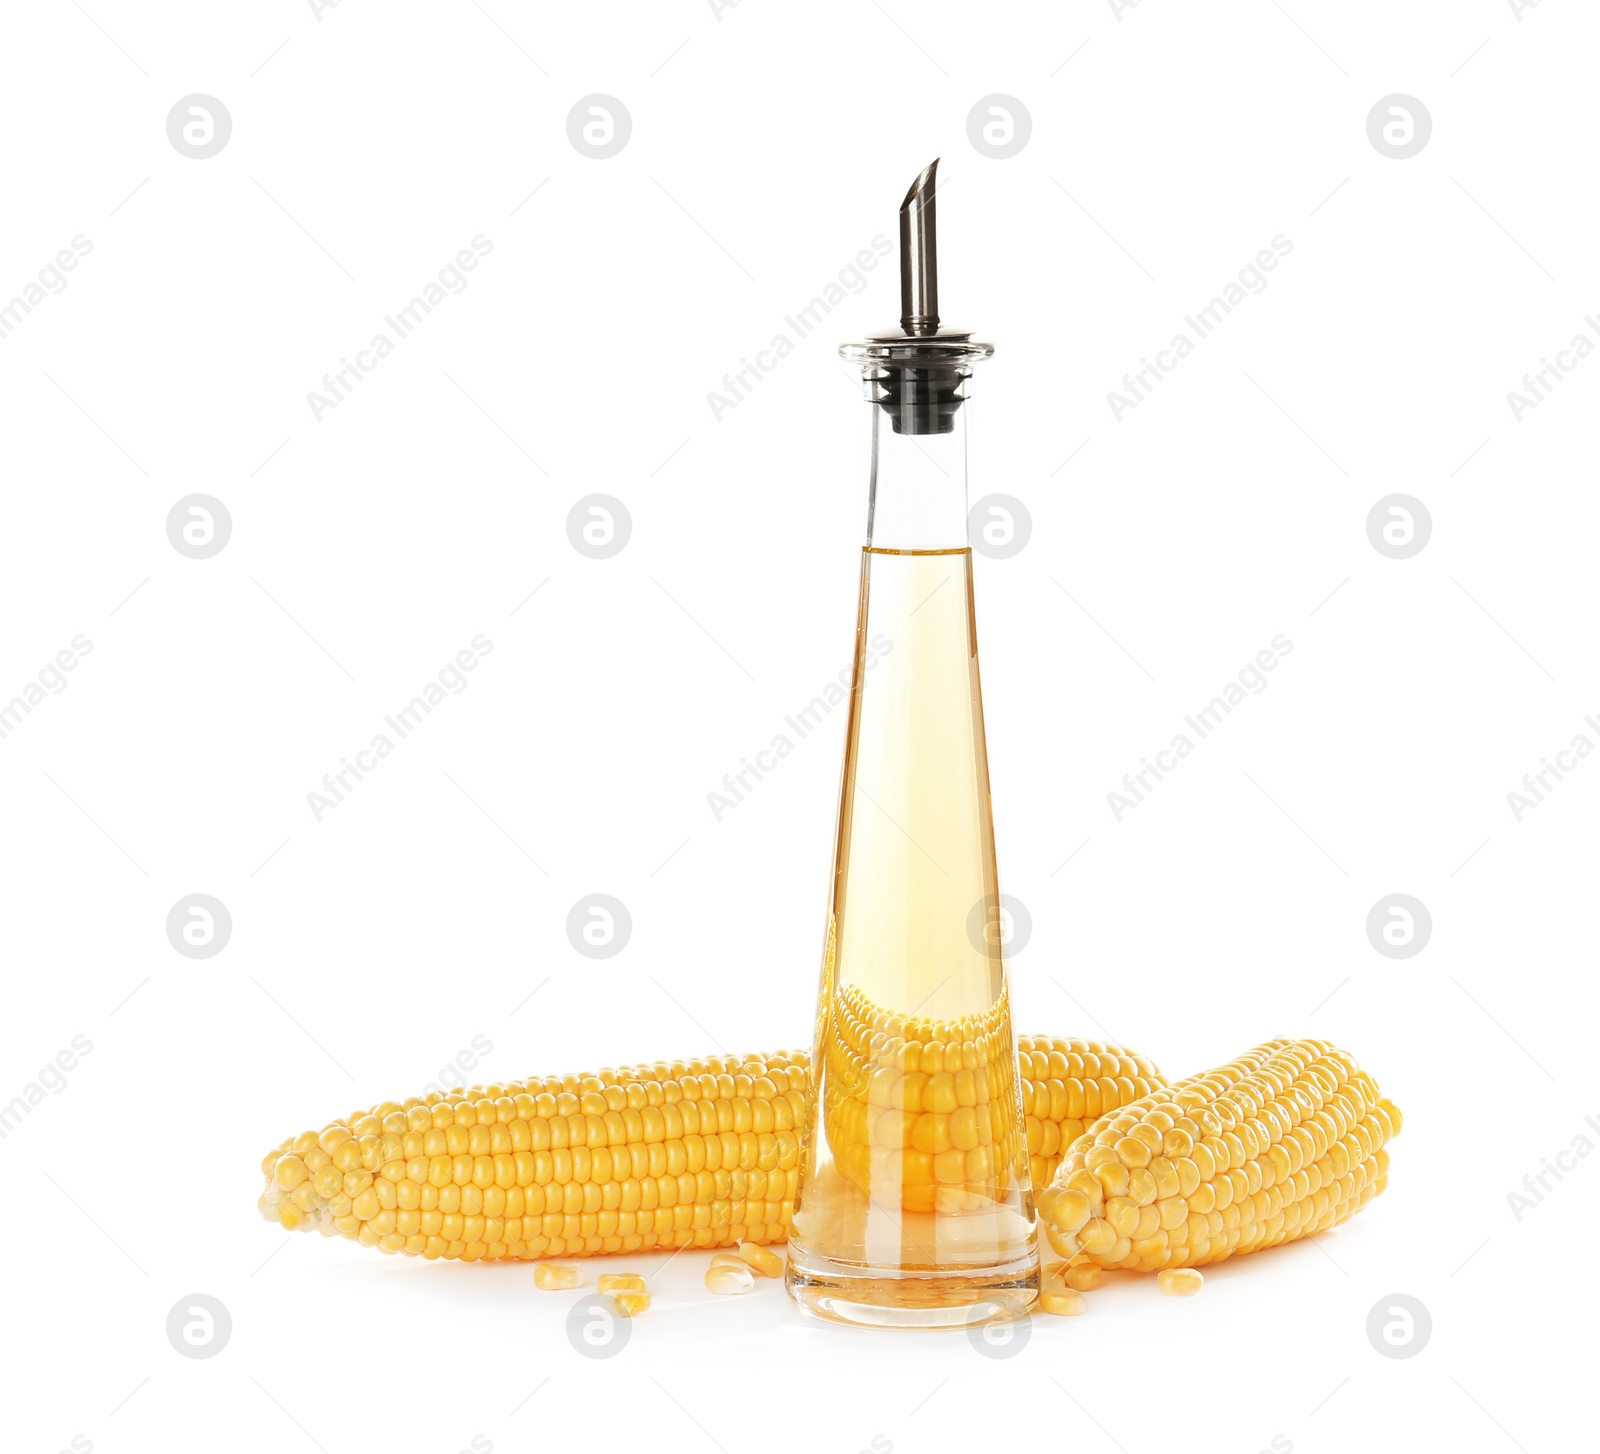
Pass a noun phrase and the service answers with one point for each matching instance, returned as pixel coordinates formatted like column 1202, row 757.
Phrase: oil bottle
column 914, row 1206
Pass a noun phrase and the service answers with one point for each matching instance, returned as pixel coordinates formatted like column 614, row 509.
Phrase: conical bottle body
column 914, row 1206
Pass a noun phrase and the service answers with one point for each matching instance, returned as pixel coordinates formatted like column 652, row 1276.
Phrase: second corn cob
column 1281, row 1143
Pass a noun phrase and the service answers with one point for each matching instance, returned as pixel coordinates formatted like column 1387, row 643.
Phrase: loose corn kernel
column 761, row 1259
column 1083, row 1276
column 620, row 1282
column 555, row 1276
column 727, row 1279
column 631, row 1304
column 1062, row 1302
column 1180, row 1281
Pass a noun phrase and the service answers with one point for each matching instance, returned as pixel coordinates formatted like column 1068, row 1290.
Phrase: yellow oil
column 914, row 1191
column 916, row 839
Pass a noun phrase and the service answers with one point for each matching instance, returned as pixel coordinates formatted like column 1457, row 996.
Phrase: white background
column 770, row 144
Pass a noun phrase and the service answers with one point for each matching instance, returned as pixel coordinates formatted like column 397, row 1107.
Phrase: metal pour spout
column 916, row 372
column 919, row 256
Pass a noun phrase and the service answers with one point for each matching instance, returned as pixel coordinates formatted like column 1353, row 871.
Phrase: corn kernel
column 727, row 1280
column 631, row 1304
column 620, row 1282
column 761, row 1259
column 1083, row 1276
column 1180, row 1281
column 1062, row 1302
column 554, row 1276
column 1098, row 1236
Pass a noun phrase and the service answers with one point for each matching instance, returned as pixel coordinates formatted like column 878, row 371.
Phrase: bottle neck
column 917, row 492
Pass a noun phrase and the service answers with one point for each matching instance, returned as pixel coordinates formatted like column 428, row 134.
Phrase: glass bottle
column 914, row 1206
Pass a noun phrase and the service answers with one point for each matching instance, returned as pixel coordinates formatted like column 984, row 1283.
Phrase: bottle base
column 874, row 1298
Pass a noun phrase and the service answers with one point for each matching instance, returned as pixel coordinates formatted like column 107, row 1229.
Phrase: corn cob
column 1281, row 1143
column 1067, row 1085
column 671, row 1154
column 926, row 1105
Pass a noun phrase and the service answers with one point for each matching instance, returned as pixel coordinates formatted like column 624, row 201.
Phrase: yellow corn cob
column 668, row 1155
column 924, row 1106
column 671, row 1154
column 1067, row 1085
column 1281, row 1143
column 932, row 1098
